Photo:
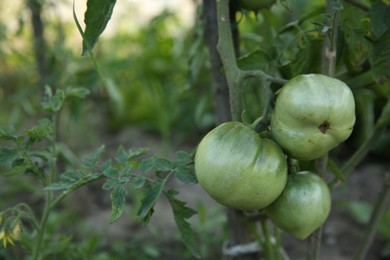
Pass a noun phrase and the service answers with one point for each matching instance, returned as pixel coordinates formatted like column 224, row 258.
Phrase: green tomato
column 256, row 5
column 238, row 168
column 303, row 206
column 313, row 114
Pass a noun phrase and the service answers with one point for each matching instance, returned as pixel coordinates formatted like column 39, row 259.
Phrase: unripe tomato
column 255, row 5
column 303, row 206
column 313, row 114
column 238, row 168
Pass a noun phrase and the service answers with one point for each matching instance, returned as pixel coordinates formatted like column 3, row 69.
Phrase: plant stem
column 374, row 220
column 328, row 68
column 269, row 250
column 49, row 195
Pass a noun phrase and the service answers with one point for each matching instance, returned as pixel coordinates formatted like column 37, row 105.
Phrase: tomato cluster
column 313, row 114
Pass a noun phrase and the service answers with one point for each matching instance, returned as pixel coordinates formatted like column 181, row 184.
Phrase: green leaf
column 380, row 58
column 52, row 103
column 77, row 92
column 151, row 195
column 257, row 60
column 96, row 17
column 183, row 156
column 111, row 172
column 185, row 174
column 380, row 18
column 138, row 181
column 384, row 118
column 8, row 155
column 360, row 211
column 19, row 168
column 7, row 133
column 44, row 130
column 308, row 58
column 90, row 161
column 124, row 157
column 146, row 165
column 110, row 184
column 118, row 199
column 181, row 213
column 163, row 165
column 71, row 176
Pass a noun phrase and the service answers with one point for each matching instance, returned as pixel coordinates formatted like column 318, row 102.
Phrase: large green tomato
column 313, row 114
column 303, row 206
column 256, row 5
column 238, row 168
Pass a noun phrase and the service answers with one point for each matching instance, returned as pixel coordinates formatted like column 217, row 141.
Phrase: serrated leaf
column 163, row 165
column 185, row 174
column 96, row 17
column 111, row 172
column 151, row 195
column 18, row 169
column 125, row 171
column 8, row 155
column 307, row 60
column 146, row 165
column 183, row 156
column 89, row 162
column 7, row 133
column 136, row 152
column 380, row 58
column 71, row 176
column 77, row 92
column 138, row 181
column 256, row 60
column 110, row 184
column 380, row 18
column 118, row 199
column 181, row 213
column 53, row 103
column 44, row 130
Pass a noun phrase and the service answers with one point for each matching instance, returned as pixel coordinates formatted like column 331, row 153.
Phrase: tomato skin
column 238, row 168
column 303, row 206
column 313, row 114
column 255, row 5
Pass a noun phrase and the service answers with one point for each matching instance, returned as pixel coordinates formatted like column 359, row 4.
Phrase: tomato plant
column 313, row 114
column 303, row 206
column 240, row 169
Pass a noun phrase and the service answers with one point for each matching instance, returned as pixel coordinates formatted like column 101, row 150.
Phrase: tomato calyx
column 324, row 127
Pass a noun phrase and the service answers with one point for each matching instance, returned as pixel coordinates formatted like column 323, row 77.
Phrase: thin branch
column 380, row 206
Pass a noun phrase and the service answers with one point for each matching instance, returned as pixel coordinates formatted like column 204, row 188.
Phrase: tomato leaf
column 90, row 161
column 118, row 199
column 77, row 92
column 8, row 154
column 185, row 174
column 380, row 18
column 8, row 133
column 151, row 195
column 44, row 130
column 53, row 103
column 96, row 17
column 181, row 213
